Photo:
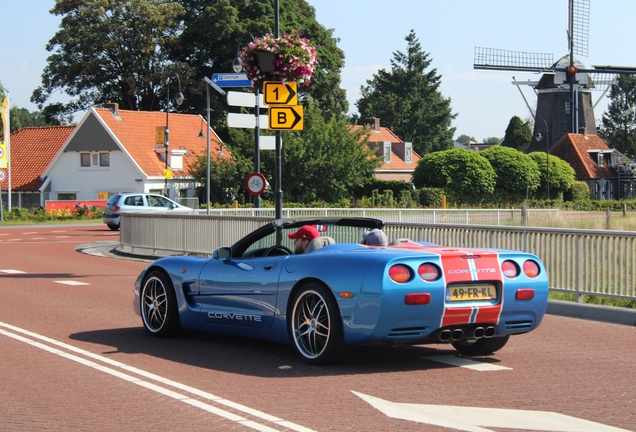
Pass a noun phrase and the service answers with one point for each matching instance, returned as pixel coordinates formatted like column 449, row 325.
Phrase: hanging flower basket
column 288, row 58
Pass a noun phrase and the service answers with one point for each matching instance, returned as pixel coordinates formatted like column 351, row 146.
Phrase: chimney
column 583, row 130
column 374, row 123
column 113, row 107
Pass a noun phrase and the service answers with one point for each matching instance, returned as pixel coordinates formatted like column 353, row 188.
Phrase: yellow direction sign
column 285, row 117
column 278, row 92
column 160, row 135
column 167, row 173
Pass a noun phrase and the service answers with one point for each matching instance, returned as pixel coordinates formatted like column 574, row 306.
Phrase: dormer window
column 599, row 159
column 387, row 152
column 408, row 152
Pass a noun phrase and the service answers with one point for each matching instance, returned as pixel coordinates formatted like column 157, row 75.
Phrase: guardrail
column 583, row 262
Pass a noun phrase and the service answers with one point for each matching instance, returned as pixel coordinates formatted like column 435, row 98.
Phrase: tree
column 111, row 50
column 561, row 175
column 465, row 139
column 517, row 174
column 465, row 175
column 408, row 101
column 619, row 121
column 492, row 140
column 518, row 135
column 227, row 178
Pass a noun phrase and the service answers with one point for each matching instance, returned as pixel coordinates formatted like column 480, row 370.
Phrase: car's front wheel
column 315, row 326
column 159, row 305
column 482, row 346
column 113, row 227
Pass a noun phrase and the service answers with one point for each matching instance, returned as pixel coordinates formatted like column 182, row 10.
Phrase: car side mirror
column 223, row 253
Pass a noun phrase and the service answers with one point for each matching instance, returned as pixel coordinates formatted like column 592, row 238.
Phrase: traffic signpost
column 285, row 117
column 278, row 92
column 245, row 99
column 231, row 80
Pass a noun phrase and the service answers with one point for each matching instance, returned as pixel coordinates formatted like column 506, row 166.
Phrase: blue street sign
column 231, row 80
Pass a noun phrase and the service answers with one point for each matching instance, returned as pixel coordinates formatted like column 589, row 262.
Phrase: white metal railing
column 583, row 262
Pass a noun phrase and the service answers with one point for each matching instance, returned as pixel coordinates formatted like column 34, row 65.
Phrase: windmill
column 564, row 100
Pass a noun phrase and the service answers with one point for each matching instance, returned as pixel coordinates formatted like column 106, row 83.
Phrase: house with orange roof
column 32, row 150
column 399, row 158
column 593, row 162
column 117, row 151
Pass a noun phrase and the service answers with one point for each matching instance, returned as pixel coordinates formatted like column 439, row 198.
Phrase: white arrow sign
column 246, row 121
column 478, row 419
column 244, row 99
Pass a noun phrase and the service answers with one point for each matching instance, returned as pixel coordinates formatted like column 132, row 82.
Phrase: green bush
column 579, row 191
column 430, row 197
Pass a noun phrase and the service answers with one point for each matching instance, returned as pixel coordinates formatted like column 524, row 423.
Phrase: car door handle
column 270, row 266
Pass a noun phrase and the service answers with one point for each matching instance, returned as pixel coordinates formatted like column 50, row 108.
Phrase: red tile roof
column 574, row 149
column 31, row 150
column 135, row 131
column 386, row 134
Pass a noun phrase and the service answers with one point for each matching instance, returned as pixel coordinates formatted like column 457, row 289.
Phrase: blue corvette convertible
column 340, row 293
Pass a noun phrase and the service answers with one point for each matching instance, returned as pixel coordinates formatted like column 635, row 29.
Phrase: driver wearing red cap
column 302, row 237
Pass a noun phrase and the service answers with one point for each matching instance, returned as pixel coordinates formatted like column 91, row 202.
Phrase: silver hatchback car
column 135, row 202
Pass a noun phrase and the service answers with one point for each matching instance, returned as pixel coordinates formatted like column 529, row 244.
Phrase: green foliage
column 227, row 178
column 431, row 197
column 407, row 99
column 619, row 121
column 492, row 140
column 465, row 139
column 465, row 175
column 518, row 135
column 560, row 175
column 579, row 191
column 325, row 161
column 517, row 174
column 371, row 184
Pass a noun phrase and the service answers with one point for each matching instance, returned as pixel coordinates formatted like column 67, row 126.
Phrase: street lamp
column 179, row 100
column 538, row 137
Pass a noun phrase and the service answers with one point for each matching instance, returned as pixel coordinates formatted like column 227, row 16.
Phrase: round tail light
column 531, row 269
column 429, row 272
column 400, row 273
column 510, row 269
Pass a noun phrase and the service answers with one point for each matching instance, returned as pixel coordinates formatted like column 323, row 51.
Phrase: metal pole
column 257, row 152
column 207, row 171
column 165, row 137
column 278, row 193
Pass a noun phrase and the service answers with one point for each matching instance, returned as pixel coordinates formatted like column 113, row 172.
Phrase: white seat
column 319, row 242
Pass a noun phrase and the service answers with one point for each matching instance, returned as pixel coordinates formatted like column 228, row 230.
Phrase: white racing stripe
column 149, row 385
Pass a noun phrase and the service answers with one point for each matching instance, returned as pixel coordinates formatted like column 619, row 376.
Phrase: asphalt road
column 73, row 356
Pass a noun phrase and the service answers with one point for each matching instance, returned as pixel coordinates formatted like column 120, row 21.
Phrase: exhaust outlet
column 445, row 335
column 479, row 332
column 490, row 331
column 457, row 334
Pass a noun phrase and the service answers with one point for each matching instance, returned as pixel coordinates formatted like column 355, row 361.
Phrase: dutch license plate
column 472, row 292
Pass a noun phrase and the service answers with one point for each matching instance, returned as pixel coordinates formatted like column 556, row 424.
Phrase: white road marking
column 38, row 238
column 58, row 231
column 14, row 239
column 62, row 236
column 478, row 419
column 11, row 271
column 466, row 363
column 30, row 232
column 71, row 282
column 149, row 385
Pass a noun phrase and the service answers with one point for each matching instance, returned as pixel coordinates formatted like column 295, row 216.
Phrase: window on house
column 85, row 159
column 408, row 152
column 387, row 152
column 67, row 196
column 104, row 159
column 599, row 159
column 95, row 159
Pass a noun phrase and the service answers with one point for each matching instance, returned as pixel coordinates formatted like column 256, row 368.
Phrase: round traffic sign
column 255, row 183
column 2, row 175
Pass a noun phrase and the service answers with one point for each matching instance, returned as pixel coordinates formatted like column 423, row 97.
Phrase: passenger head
column 302, row 237
column 375, row 237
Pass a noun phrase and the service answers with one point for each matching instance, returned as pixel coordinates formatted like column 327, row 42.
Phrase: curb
column 592, row 312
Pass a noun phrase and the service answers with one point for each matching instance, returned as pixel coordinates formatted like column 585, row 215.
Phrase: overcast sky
column 372, row 30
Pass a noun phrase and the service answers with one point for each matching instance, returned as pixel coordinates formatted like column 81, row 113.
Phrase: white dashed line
column 38, row 238
column 31, row 232
column 71, row 282
column 11, row 271
column 466, row 363
column 62, row 236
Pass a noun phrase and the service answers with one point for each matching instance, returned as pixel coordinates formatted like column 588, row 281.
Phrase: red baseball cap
column 306, row 231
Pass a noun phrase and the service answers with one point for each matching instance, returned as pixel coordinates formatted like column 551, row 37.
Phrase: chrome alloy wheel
column 154, row 304
column 311, row 324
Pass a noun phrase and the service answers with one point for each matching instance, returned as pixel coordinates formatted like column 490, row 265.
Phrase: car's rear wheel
column 159, row 305
column 481, row 346
column 315, row 326
column 113, row 227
